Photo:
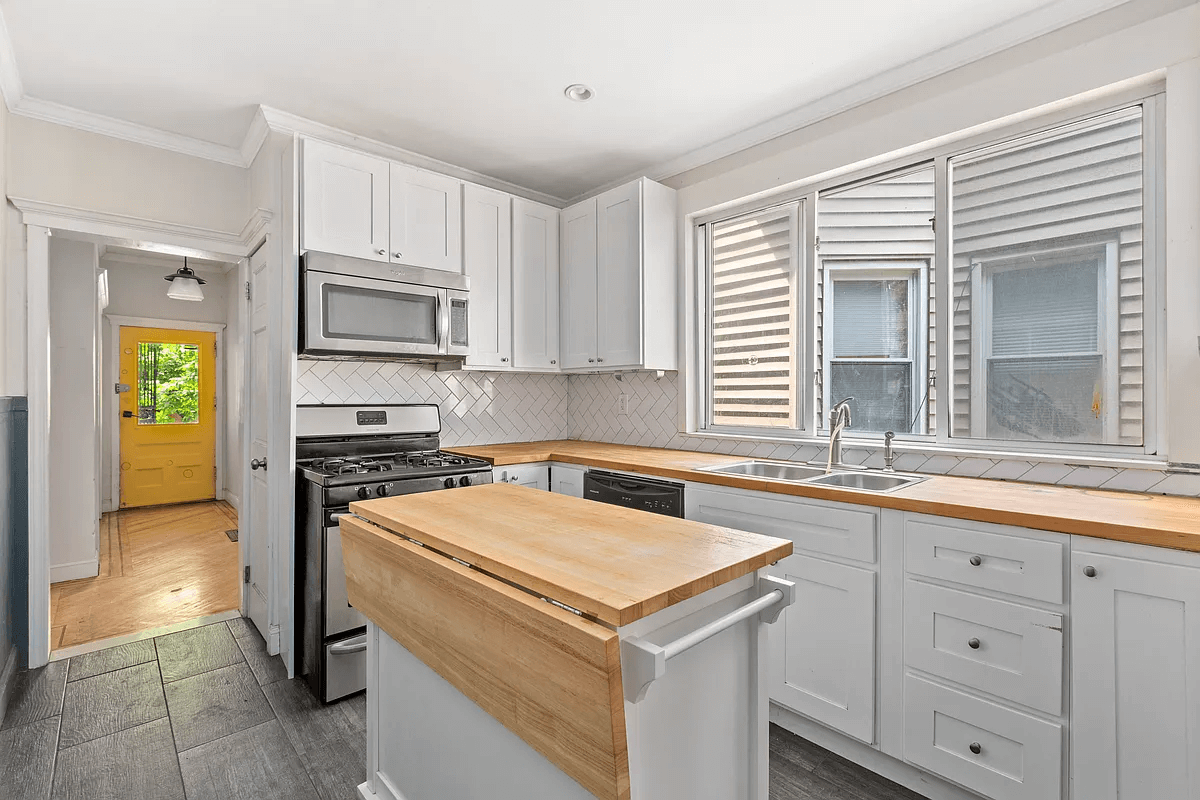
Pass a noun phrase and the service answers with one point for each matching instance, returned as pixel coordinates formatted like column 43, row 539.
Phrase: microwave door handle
column 443, row 323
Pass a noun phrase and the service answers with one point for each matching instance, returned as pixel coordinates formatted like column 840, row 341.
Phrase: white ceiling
column 478, row 83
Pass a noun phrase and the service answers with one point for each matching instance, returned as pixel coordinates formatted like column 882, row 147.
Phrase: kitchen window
column 1031, row 256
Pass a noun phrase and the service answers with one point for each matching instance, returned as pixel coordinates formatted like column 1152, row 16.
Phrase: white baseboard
column 894, row 770
column 233, row 500
column 6, row 682
column 74, row 570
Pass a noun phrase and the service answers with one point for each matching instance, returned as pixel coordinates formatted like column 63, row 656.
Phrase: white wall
column 1082, row 58
column 138, row 290
column 73, row 517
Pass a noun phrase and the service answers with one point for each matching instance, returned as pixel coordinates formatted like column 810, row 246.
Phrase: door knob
column 258, row 463
column 127, row 414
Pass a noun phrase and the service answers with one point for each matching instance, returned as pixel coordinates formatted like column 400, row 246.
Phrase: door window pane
column 168, row 383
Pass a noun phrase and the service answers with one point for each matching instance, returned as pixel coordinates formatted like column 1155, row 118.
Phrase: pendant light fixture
column 185, row 285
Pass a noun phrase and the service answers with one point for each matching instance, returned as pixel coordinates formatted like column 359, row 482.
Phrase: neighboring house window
column 753, row 309
column 1049, row 313
column 871, row 346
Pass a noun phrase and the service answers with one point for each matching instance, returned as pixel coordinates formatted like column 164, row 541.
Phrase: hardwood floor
column 157, row 566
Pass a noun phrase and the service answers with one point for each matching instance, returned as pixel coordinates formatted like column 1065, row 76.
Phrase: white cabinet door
column 578, row 272
column 566, row 479
column 426, row 214
column 535, row 476
column 487, row 259
column 535, row 285
column 344, row 202
column 1135, row 684
column 619, row 277
column 823, row 648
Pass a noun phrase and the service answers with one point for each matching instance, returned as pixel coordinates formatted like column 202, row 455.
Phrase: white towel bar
column 643, row 662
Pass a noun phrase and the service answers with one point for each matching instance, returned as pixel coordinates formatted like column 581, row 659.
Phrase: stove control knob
column 363, row 493
column 382, row 491
column 448, row 483
column 465, row 480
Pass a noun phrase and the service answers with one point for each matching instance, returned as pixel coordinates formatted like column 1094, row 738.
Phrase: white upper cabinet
column 535, row 285
column 619, row 280
column 487, row 258
column 578, row 288
column 426, row 215
column 344, row 201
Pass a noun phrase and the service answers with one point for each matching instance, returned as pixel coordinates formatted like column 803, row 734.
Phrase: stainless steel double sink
column 863, row 480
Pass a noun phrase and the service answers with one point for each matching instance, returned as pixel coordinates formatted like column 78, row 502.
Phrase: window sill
column 1115, row 461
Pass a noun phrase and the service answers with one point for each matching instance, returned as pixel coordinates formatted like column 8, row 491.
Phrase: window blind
column 753, row 318
column 870, row 319
column 1051, row 309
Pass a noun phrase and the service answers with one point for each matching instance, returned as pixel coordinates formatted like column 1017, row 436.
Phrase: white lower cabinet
column 823, row 649
column 997, row 751
column 536, row 476
column 567, row 479
column 1135, row 687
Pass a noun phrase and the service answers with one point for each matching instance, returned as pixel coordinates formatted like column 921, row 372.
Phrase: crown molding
column 141, row 233
column 1040, row 22
column 283, row 122
column 255, row 138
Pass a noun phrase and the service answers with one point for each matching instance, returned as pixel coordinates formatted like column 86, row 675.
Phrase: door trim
column 115, row 323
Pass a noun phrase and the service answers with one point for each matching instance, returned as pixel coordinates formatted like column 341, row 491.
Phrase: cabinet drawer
column 1019, row 758
column 1014, row 565
column 815, row 527
column 1017, row 653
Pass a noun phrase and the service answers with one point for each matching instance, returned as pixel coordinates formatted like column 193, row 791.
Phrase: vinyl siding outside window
column 1047, row 331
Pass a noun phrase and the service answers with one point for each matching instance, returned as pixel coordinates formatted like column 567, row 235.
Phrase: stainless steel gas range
column 344, row 454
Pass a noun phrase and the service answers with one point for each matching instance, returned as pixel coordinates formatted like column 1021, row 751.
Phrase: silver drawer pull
column 355, row 645
column 1089, row 571
column 976, row 561
column 973, row 644
column 976, row 748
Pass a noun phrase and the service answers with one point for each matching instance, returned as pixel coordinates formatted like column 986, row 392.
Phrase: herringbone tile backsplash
column 477, row 407
column 494, row 407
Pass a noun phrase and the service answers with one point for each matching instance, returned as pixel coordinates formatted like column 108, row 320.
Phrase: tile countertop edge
column 1160, row 521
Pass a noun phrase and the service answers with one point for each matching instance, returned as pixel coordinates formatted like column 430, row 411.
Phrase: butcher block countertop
column 614, row 564
column 1157, row 520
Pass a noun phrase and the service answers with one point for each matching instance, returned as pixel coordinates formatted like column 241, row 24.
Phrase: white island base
column 699, row 732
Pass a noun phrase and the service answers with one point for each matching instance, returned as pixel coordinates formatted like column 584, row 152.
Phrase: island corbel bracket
column 644, row 662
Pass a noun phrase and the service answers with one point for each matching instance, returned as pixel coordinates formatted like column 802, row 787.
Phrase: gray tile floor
column 206, row 714
column 203, row 713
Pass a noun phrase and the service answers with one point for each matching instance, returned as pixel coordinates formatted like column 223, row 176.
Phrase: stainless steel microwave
column 354, row 307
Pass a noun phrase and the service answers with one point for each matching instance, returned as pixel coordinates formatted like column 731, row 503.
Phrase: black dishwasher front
column 645, row 494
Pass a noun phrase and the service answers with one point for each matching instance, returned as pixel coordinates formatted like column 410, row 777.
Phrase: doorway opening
column 161, row 547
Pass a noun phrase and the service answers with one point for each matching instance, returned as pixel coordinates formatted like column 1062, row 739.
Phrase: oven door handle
column 443, row 322
column 355, row 645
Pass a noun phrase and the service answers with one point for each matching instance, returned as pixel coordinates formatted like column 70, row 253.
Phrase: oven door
column 350, row 315
column 340, row 616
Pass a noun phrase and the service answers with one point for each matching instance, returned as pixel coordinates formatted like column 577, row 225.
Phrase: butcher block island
column 523, row 644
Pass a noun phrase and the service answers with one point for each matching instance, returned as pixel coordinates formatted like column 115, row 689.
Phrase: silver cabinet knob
column 397, row 255
column 976, row 748
column 1090, row 571
column 591, row 361
column 973, row 644
column 600, row 360
column 381, row 252
column 553, row 361
column 504, row 359
column 976, row 561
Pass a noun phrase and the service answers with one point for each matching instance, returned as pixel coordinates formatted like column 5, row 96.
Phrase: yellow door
column 168, row 416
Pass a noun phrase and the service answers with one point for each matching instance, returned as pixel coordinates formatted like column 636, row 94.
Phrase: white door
column 578, row 272
column 487, row 259
column 566, row 480
column 344, row 202
column 255, row 513
column 619, row 277
column 1135, row 683
column 823, row 649
column 426, row 227
column 535, row 285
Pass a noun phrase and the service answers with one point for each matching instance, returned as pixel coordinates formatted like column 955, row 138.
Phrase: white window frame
column 1149, row 95
column 917, row 272
column 982, row 273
